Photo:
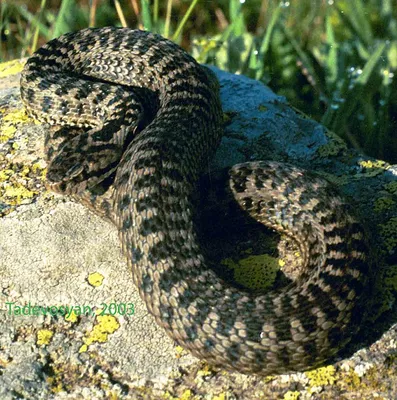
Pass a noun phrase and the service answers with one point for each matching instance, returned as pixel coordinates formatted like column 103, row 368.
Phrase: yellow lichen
column 5, row 174
column 221, row 396
column 56, row 387
column 322, row 376
column 15, row 116
column 71, row 317
column 11, row 68
column 350, row 379
column 95, row 279
column 291, row 395
column 9, row 122
column 107, row 324
column 374, row 168
column 269, row 378
column 179, row 351
column 44, row 337
column 374, row 164
column 18, row 192
column 39, row 166
column 186, row 395
column 7, row 132
column 383, row 203
column 204, row 371
column 18, row 184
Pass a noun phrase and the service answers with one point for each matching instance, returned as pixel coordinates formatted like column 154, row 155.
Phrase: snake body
column 134, row 108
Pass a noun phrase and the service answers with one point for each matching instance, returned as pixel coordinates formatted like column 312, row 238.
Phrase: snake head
column 74, row 169
column 67, row 175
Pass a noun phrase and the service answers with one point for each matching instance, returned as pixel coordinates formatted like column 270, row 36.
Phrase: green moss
column 262, row 108
column 337, row 180
column 334, row 146
column 254, row 272
column 388, row 232
column 383, row 203
column 391, row 277
column 391, row 187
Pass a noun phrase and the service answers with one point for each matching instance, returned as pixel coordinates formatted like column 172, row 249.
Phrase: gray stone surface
column 50, row 245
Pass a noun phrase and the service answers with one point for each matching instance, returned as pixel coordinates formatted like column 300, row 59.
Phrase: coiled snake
column 133, row 109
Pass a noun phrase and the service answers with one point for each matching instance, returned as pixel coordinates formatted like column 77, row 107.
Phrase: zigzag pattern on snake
column 133, row 109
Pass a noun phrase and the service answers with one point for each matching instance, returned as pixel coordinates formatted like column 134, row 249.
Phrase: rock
column 54, row 252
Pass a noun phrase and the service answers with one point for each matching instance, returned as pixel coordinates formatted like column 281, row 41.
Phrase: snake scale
column 133, row 109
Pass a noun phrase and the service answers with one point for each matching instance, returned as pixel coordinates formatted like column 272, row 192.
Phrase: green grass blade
column 352, row 95
column 166, row 32
column 264, row 47
column 236, row 17
column 155, row 11
column 332, row 57
column 146, row 18
column 61, row 26
column 302, row 56
column 371, row 63
column 37, row 30
column 24, row 13
column 184, row 19
column 361, row 20
column 356, row 21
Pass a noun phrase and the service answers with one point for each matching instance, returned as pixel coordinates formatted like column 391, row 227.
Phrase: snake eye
column 72, row 172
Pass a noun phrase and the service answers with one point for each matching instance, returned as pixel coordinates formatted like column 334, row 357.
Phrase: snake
column 134, row 121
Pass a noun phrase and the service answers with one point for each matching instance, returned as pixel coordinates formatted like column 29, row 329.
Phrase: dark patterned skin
column 133, row 109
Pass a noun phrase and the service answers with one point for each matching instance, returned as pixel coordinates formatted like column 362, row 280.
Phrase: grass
column 335, row 59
